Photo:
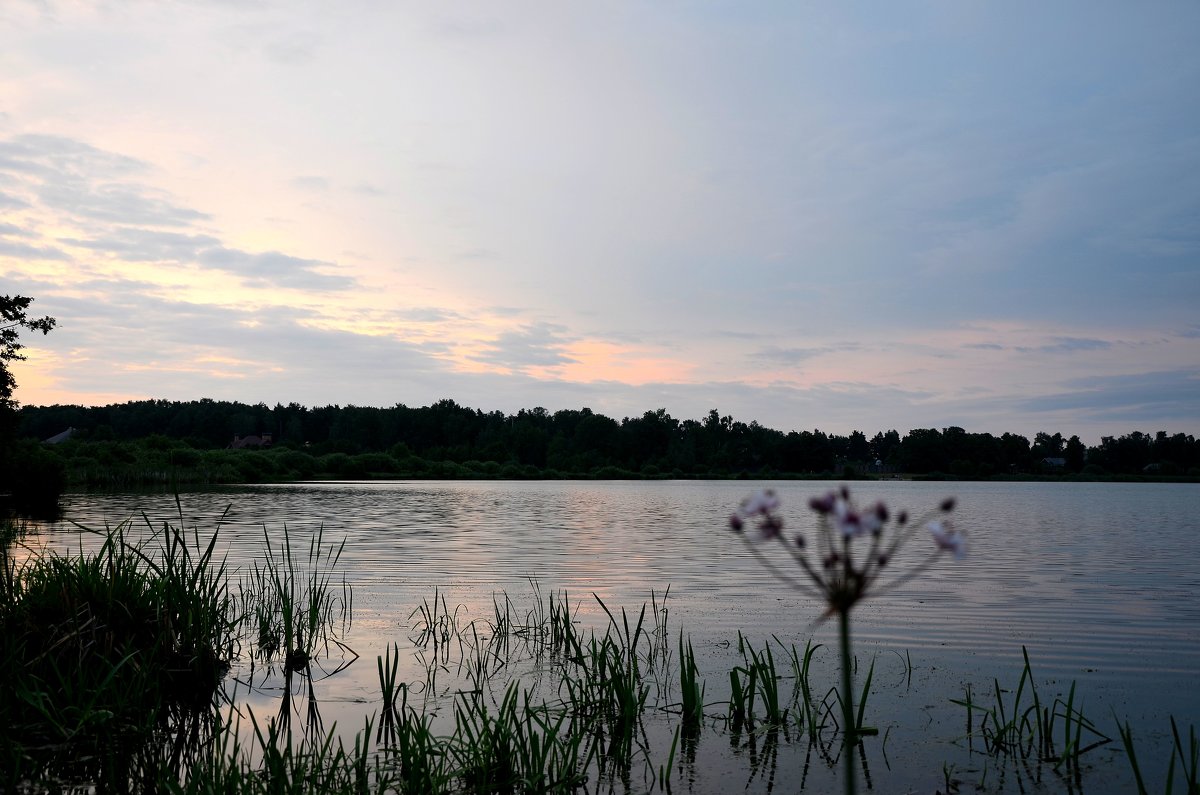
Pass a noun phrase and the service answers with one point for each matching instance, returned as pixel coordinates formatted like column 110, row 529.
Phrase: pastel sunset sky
column 813, row 215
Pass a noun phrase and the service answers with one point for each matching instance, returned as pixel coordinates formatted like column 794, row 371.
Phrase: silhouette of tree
column 33, row 478
column 1076, row 454
column 14, row 311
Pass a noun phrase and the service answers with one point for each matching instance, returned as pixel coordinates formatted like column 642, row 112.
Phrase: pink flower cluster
column 838, row 575
column 760, row 506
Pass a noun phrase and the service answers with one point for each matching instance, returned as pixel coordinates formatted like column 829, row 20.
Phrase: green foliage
column 297, row 463
column 165, row 442
column 375, row 464
column 33, row 475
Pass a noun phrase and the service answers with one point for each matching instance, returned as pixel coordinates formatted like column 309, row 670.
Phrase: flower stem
column 850, row 731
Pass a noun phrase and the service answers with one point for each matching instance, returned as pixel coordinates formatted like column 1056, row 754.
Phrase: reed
column 1188, row 758
column 295, row 602
column 861, row 730
column 436, row 623
column 117, row 648
column 415, row 757
column 623, row 691
column 523, row 746
column 812, row 711
column 691, row 688
column 564, row 637
column 1031, row 731
column 756, row 680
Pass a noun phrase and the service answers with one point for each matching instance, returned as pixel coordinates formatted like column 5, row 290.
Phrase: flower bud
column 771, row 526
column 822, row 505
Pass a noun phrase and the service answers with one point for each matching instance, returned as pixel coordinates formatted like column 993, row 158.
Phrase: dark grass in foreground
column 102, row 652
column 116, row 677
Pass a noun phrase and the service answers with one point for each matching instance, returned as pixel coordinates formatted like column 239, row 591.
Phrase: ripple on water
column 1089, row 577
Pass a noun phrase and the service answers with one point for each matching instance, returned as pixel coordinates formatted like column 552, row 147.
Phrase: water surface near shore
column 1099, row 581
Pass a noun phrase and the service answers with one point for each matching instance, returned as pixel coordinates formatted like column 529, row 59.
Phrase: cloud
column 9, row 202
column 468, row 28
column 117, row 203
column 12, row 248
column 476, row 254
column 727, row 200
column 426, row 314
column 789, row 356
column 87, row 183
column 536, row 345
column 1170, row 395
column 133, row 222
column 154, row 346
column 135, row 244
column 273, row 268
column 1067, row 345
column 57, row 156
column 313, row 183
column 507, row 311
column 367, row 189
column 1163, row 395
column 1055, row 345
column 295, row 48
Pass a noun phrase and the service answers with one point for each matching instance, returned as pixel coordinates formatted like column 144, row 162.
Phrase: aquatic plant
column 118, row 647
column 1189, row 760
column 293, row 602
column 838, row 576
column 1026, row 731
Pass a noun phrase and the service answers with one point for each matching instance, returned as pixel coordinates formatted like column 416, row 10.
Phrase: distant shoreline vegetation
column 209, row 442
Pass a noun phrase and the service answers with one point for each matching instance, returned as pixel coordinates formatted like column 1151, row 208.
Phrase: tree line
column 580, row 442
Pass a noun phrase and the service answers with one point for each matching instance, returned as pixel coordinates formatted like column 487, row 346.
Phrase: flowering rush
column 836, row 571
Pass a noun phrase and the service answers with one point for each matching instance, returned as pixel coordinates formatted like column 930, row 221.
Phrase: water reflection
column 1089, row 577
column 1077, row 571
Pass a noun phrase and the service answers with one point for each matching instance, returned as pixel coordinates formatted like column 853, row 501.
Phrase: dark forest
column 218, row 441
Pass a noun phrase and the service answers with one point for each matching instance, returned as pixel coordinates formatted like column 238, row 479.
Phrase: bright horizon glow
column 920, row 216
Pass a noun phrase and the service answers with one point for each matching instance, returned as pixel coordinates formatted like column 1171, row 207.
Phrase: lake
column 1098, row 581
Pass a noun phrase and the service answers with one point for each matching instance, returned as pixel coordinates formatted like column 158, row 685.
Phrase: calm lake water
column 1098, row 581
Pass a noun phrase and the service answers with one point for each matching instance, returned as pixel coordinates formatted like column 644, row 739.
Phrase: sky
column 830, row 216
